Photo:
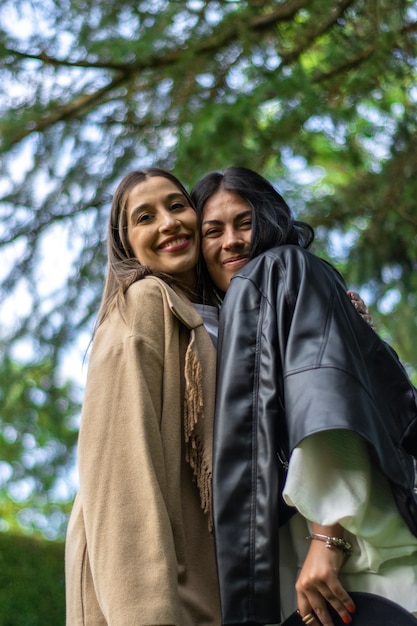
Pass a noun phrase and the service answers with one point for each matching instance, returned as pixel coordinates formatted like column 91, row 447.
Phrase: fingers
column 321, row 617
column 361, row 307
column 314, row 607
column 307, row 619
column 354, row 296
column 318, row 587
column 357, row 302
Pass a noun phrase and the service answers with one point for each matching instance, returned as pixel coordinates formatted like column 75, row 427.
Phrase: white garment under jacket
column 346, row 488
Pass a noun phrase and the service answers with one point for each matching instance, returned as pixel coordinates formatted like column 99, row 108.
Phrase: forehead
column 151, row 189
column 224, row 206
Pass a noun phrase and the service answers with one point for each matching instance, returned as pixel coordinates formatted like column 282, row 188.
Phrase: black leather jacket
column 295, row 358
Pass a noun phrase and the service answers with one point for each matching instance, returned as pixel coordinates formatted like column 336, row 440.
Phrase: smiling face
column 162, row 228
column 226, row 236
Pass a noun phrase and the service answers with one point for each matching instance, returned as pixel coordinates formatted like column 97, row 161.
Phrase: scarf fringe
column 193, row 429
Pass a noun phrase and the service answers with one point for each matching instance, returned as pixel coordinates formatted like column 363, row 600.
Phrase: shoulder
column 287, row 273
column 290, row 255
column 147, row 304
column 150, row 287
column 153, row 299
column 143, row 312
column 290, row 260
column 279, row 262
column 139, row 326
column 279, row 257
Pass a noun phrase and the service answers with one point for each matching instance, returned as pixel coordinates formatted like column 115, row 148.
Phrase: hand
column 319, row 582
column 361, row 307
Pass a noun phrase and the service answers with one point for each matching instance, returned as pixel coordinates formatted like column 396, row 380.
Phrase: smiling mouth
column 236, row 260
column 177, row 243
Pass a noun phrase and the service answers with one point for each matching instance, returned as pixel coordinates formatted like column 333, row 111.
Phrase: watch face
column 371, row 610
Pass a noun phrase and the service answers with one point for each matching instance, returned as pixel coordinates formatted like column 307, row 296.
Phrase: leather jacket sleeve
column 294, row 358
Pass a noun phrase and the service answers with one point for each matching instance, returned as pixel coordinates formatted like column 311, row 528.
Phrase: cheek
column 129, row 242
column 135, row 246
column 208, row 252
column 190, row 221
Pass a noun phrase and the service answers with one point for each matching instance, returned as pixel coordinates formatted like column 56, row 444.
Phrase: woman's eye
column 246, row 224
column 211, row 232
column 144, row 217
column 177, row 206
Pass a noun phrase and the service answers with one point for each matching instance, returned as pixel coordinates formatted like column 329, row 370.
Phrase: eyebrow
column 147, row 205
column 236, row 218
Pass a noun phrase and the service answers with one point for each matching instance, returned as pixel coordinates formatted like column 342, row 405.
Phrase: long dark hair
column 273, row 223
column 123, row 268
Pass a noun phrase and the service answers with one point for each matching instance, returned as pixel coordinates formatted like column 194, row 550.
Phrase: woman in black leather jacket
column 315, row 422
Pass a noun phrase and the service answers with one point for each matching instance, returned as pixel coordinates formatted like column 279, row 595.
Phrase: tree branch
column 207, row 44
column 225, row 35
column 82, row 103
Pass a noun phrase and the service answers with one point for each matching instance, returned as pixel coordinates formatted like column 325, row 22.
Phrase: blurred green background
column 320, row 97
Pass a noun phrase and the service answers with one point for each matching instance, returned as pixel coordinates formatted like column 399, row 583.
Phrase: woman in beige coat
column 139, row 550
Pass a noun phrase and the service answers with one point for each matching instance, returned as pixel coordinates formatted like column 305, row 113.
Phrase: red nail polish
column 351, row 608
column 347, row 619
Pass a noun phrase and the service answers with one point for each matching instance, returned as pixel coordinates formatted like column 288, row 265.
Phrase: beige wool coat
column 138, row 548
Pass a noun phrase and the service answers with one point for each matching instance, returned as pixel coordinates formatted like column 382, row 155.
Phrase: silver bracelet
column 333, row 542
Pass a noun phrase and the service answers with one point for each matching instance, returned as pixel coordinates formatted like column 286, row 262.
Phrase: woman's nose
column 168, row 221
column 232, row 239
